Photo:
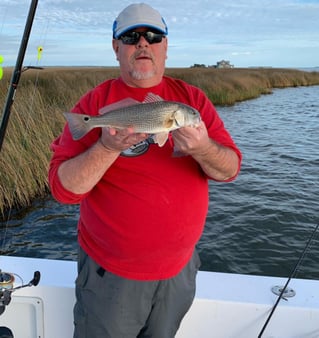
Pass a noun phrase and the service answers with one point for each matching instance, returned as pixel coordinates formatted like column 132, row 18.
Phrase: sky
column 248, row 33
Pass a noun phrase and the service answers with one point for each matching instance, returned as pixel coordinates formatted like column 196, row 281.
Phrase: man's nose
column 142, row 42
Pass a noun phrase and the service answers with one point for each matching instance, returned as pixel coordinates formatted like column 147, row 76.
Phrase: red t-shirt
column 145, row 216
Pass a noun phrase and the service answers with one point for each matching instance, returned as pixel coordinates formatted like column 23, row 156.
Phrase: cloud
column 241, row 53
column 205, row 31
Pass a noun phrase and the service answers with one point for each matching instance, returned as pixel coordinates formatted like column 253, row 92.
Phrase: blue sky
column 248, row 33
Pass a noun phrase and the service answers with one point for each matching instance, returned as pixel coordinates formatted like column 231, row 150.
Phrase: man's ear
column 166, row 47
column 115, row 44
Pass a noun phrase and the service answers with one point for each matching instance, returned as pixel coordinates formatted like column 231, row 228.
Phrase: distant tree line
column 219, row 64
column 198, row 65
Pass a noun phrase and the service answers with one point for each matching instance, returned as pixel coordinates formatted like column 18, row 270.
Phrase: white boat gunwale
column 226, row 305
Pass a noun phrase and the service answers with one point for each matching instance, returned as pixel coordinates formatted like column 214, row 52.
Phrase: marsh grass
column 36, row 115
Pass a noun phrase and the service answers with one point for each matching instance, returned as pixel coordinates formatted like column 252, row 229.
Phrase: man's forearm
column 81, row 173
column 218, row 162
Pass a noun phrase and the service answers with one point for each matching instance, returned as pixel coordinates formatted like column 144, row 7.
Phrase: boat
column 226, row 305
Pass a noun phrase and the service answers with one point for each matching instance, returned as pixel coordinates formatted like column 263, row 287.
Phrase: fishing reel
column 7, row 287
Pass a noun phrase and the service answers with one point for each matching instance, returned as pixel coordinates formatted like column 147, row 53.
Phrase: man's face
column 142, row 64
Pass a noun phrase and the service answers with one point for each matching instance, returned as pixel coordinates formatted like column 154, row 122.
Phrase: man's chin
column 142, row 75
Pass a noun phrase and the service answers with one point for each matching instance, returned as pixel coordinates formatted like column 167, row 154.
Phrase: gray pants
column 109, row 306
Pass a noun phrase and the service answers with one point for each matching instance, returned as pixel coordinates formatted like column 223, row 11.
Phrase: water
column 258, row 224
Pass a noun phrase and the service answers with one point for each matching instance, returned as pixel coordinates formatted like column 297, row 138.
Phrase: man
column 140, row 216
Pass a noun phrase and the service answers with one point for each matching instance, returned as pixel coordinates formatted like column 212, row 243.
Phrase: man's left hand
column 191, row 140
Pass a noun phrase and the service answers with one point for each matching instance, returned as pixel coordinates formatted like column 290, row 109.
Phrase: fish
column 153, row 116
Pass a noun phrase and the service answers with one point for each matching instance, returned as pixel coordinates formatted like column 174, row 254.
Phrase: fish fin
column 176, row 117
column 168, row 123
column 78, row 124
column 179, row 118
column 127, row 102
column 160, row 138
column 150, row 97
column 118, row 105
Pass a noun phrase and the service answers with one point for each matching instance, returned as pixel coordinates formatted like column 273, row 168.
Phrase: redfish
column 153, row 116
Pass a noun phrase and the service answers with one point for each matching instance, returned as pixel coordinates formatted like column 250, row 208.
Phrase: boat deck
column 226, row 305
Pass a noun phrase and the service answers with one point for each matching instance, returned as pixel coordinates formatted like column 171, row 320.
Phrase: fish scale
column 158, row 117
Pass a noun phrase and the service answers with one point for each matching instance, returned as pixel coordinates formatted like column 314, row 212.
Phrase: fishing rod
column 17, row 71
column 6, row 279
column 295, row 269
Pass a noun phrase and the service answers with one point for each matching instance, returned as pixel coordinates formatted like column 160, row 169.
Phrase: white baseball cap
column 138, row 15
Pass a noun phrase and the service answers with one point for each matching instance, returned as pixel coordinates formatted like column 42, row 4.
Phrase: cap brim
column 147, row 25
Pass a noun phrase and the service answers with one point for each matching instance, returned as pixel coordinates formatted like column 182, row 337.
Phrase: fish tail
column 79, row 124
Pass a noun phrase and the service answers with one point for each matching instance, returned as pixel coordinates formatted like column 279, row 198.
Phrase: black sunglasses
column 133, row 37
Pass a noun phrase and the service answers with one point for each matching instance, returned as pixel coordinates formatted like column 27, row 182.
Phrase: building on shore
column 223, row 64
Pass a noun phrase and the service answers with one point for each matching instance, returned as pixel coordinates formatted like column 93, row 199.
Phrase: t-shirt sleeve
column 65, row 148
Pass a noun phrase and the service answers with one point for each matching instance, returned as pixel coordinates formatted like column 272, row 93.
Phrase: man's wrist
column 110, row 150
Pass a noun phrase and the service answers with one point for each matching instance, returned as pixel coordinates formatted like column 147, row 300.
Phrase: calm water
column 258, row 224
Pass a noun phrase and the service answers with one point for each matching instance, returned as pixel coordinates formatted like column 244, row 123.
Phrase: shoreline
column 36, row 115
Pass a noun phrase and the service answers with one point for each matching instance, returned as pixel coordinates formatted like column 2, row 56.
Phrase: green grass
column 36, row 116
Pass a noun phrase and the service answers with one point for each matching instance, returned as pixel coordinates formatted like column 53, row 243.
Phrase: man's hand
column 191, row 140
column 218, row 162
column 118, row 140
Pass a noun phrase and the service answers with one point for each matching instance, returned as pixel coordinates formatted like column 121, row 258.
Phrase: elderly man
column 141, row 212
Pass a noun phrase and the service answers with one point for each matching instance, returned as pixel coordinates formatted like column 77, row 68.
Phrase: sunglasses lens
column 152, row 37
column 132, row 38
